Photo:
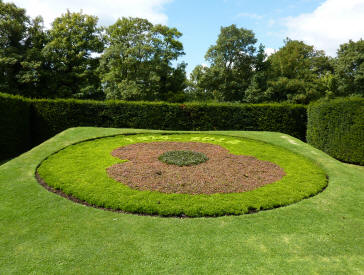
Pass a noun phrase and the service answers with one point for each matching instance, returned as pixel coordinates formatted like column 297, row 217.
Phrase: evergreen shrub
column 26, row 122
column 337, row 128
column 54, row 116
column 14, row 125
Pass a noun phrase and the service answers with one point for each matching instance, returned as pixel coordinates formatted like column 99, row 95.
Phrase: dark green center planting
column 183, row 158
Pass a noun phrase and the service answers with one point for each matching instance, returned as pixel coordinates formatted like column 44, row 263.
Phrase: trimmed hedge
column 14, row 125
column 53, row 116
column 49, row 117
column 337, row 128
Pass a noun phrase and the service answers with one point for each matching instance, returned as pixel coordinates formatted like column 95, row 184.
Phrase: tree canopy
column 21, row 40
column 137, row 63
column 134, row 59
column 298, row 73
column 232, row 61
column 72, row 42
column 349, row 68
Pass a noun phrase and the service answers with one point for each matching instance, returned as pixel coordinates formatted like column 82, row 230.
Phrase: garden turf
column 42, row 233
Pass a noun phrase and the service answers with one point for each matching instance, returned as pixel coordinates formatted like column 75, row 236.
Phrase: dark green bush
column 183, row 158
column 49, row 117
column 14, row 125
column 53, row 116
column 337, row 128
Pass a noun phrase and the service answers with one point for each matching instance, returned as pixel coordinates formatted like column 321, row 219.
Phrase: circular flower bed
column 124, row 173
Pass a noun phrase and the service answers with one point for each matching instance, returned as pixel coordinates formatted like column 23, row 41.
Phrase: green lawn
column 3, row 161
column 42, row 233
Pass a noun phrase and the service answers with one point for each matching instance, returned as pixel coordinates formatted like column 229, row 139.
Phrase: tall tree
column 258, row 85
column 137, row 63
column 13, row 28
column 200, row 86
column 298, row 73
column 232, row 61
column 33, row 78
column 21, row 40
column 71, row 54
column 349, row 68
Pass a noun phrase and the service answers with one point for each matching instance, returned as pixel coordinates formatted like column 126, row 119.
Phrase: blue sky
column 200, row 21
column 323, row 23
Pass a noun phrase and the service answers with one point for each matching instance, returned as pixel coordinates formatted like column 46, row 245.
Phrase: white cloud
column 269, row 51
column 107, row 10
column 332, row 23
column 250, row 15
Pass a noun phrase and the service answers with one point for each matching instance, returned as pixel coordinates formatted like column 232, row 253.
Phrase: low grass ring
column 81, row 171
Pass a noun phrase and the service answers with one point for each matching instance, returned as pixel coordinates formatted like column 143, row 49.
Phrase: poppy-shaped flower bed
column 221, row 172
column 180, row 174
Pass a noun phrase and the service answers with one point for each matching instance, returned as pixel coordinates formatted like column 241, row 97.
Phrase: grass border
column 45, row 233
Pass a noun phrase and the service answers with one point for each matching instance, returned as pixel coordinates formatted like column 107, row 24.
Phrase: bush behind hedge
column 337, row 128
column 14, row 125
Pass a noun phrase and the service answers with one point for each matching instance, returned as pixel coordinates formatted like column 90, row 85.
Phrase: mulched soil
column 222, row 173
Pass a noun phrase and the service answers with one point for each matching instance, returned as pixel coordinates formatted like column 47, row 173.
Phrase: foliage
column 349, row 68
column 53, row 116
column 136, row 60
column 298, row 74
column 183, row 158
column 53, row 63
column 337, row 128
column 12, row 32
column 232, row 61
column 65, row 170
column 21, row 41
column 202, row 79
column 14, row 125
column 49, row 117
column 73, row 39
column 255, row 92
column 136, row 64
